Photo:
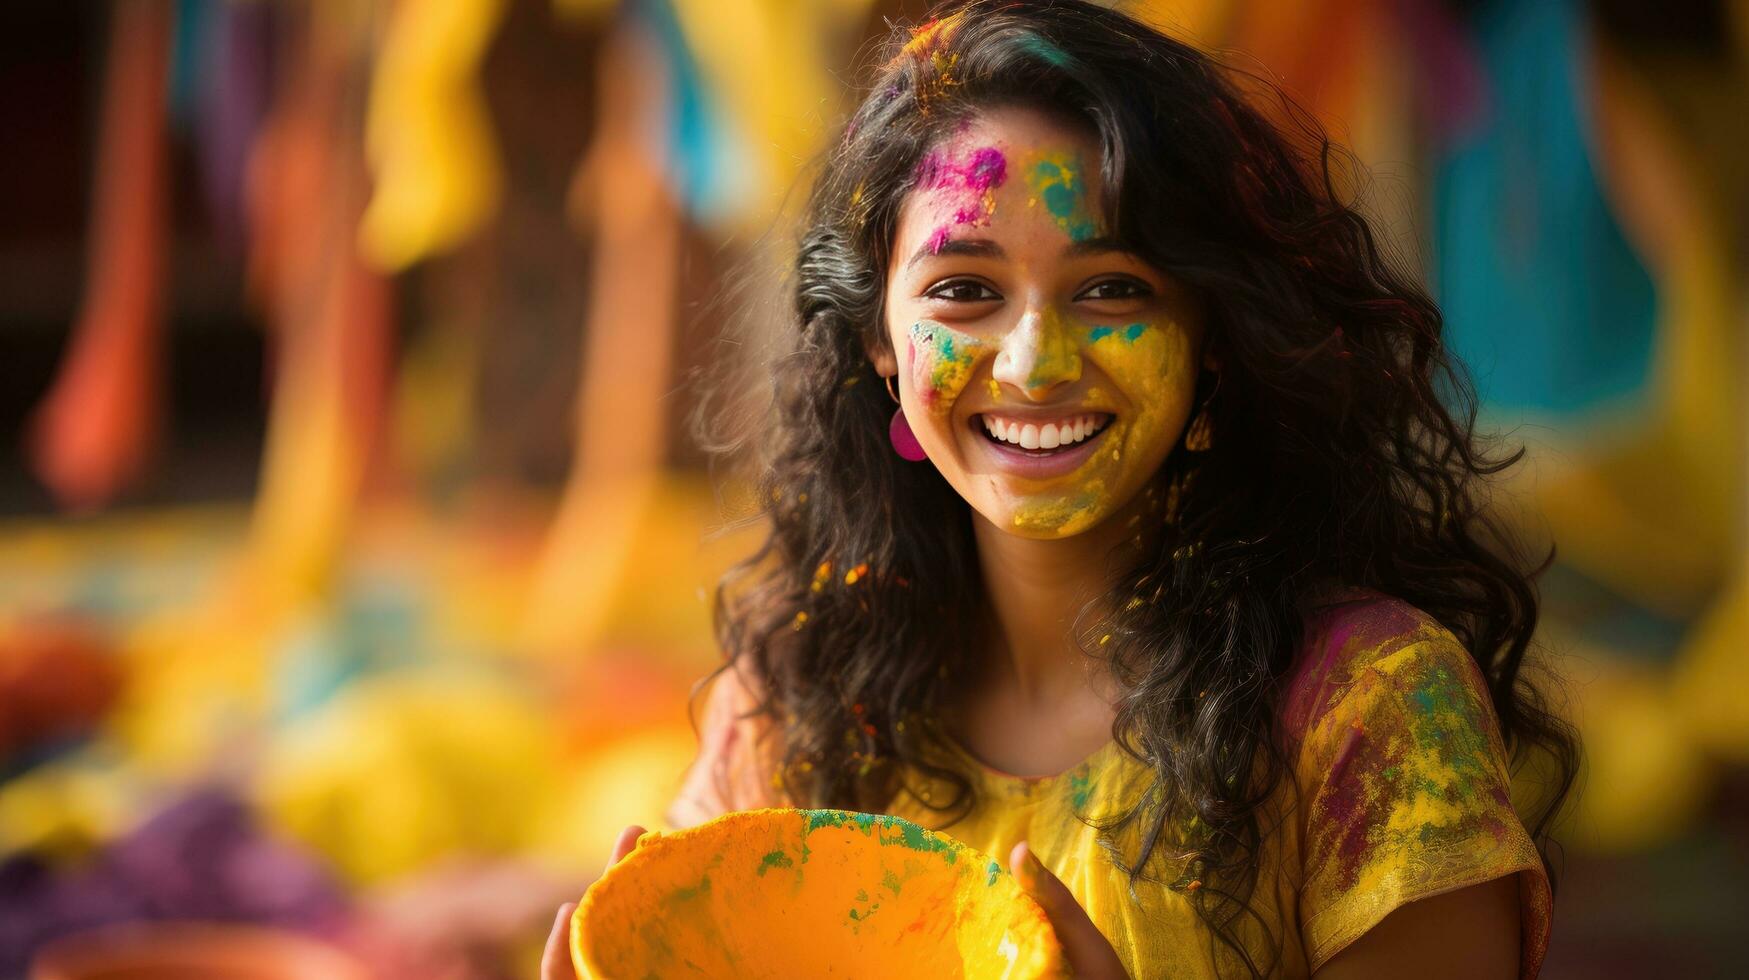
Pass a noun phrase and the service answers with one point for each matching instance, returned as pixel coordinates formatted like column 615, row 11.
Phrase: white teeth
column 1050, row 435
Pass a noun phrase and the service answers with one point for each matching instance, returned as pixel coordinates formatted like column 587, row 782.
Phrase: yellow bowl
column 810, row 893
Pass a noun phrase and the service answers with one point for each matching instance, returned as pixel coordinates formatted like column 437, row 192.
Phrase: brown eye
column 1124, row 288
column 962, row 291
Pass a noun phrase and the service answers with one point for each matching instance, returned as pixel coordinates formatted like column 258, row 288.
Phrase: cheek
column 940, row 361
column 1152, row 364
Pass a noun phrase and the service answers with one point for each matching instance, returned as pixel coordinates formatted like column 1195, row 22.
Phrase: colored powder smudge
column 1418, row 772
column 1058, row 179
column 961, row 187
column 776, row 859
column 1080, row 786
column 1129, row 334
column 918, row 839
column 929, row 45
column 858, row 916
column 910, row 835
column 1064, row 517
column 1046, row 51
column 680, row 895
column 932, row 36
column 995, row 870
column 941, row 361
column 1056, row 358
column 813, row 820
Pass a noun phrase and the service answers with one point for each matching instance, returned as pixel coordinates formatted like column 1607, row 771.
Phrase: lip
column 1015, row 461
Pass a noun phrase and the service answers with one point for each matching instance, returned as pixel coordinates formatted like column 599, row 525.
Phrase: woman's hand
column 1090, row 956
column 555, row 963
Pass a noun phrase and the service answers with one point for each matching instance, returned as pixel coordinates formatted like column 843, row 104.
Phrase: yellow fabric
column 1399, row 792
column 429, row 132
column 767, row 65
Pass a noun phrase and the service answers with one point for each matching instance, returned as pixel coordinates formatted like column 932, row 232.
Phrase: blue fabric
column 1543, row 297
column 190, row 63
column 707, row 163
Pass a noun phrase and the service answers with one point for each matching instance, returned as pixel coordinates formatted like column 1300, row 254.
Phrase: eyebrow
column 983, row 248
column 975, row 247
column 1095, row 246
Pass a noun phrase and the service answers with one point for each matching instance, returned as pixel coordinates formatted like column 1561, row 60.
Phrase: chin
column 1051, row 517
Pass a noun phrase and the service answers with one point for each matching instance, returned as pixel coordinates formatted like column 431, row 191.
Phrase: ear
column 1211, row 361
column 880, row 354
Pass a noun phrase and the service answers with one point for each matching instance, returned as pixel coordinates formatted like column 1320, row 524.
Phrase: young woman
column 1168, row 576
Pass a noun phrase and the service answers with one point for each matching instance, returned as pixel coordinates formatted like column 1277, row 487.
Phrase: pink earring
column 904, row 440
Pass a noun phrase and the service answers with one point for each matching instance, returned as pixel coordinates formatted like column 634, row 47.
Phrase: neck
column 1037, row 588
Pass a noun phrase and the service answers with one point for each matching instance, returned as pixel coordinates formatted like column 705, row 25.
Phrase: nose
column 1039, row 355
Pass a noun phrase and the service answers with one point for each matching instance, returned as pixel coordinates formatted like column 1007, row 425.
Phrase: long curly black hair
column 1345, row 450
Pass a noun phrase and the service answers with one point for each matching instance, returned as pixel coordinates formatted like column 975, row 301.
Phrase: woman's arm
column 736, row 756
column 1468, row 934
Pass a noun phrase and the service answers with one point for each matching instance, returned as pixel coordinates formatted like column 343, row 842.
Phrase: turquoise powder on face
column 1059, row 181
column 1128, row 334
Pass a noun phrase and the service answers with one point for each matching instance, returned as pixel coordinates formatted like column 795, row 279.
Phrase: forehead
column 1001, row 167
column 1019, row 129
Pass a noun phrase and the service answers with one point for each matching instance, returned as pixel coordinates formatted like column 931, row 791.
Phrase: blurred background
column 354, row 562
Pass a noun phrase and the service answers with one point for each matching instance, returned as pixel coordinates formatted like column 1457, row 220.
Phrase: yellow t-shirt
column 1401, row 783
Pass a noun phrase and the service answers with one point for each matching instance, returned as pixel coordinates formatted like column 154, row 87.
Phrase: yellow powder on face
column 1063, row 516
column 1151, row 364
column 942, row 361
column 995, row 390
column 1057, row 356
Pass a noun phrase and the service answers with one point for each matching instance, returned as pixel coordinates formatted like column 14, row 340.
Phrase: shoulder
column 730, row 695
column 1401, row 773
column 1365, row 643
column 737, row 752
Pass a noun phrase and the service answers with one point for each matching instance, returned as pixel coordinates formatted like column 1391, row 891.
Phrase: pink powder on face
column 961, row 188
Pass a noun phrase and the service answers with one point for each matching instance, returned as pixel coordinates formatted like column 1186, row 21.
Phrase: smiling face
column 1046, row 371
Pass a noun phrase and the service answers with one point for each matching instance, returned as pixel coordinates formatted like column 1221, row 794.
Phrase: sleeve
column 737, row 757
column 1407, row 794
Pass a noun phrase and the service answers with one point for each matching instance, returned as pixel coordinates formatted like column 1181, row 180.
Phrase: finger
column 628, row 839
column 1088, row 951
column 555, row 962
